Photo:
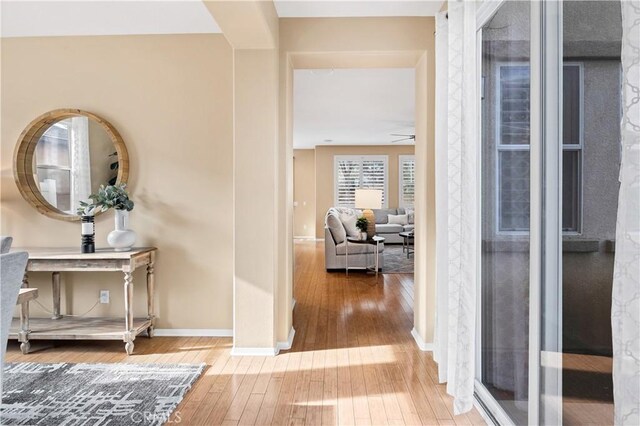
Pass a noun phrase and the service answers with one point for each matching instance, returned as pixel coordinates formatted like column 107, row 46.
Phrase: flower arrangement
column 107, row 197
column 362, row 224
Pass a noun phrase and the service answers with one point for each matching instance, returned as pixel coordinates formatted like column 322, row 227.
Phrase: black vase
column 88, row 235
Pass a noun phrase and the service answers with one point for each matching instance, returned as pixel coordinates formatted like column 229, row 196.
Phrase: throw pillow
column 349, row 222
column 335, row 227
column 398, row 219
column 411, row 216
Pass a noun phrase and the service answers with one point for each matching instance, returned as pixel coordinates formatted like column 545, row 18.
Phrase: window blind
column 514, row 151
column 407, row 180
column 353, row 172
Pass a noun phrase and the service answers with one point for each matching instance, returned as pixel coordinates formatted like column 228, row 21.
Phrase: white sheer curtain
column 80, row 161
column 456, row 145
column 625, row 310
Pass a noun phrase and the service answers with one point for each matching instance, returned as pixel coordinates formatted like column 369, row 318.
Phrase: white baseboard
column 285, row 346
column 280, row 346
column 304, row 237
column 424, row 346
column 194, row 332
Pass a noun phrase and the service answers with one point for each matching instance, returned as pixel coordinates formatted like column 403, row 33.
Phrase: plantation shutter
column 353, row 172
column 407, row 180
column 348, row 176
column 374, row 176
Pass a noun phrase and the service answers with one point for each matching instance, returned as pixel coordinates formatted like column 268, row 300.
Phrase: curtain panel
column 80, row 161
column 625, row 310
column 456, row 142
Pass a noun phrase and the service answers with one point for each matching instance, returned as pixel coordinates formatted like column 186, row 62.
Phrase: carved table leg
column 24, row 328
column 55, row 282
column 129, row 334
column 151, row 289
column 23, row 335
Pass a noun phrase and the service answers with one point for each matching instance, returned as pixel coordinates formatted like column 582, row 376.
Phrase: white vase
column 122, row 238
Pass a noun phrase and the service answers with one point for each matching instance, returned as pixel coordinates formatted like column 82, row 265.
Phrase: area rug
column 395, row 261
column 93, row 394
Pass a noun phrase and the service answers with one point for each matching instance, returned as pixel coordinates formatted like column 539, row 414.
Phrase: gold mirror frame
column 25, row 150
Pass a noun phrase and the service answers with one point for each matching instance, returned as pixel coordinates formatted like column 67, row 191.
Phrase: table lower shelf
column 79, row 328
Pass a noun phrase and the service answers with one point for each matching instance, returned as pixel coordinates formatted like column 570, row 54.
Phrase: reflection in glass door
column 592, row 32
column 550, row 162
column 505, row 208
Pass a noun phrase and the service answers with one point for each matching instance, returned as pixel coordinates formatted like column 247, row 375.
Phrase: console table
column 61, row 327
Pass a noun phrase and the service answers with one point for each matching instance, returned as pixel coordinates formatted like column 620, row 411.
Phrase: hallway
column 353, row 360
column 358, row 328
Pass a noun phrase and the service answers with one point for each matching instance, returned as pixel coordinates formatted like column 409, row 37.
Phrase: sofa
column 338, row 224
column 391, row 232
column 335, row 241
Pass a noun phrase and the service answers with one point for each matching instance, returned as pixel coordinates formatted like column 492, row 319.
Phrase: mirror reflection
column 72, row 159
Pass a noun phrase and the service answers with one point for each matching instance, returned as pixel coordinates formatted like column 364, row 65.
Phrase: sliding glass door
column 505, row 209
column 550, row 159
column 592, row 32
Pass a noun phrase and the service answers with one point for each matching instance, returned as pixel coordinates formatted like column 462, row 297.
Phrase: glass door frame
column 545, row 290
column 488, row 403
column 545, row 257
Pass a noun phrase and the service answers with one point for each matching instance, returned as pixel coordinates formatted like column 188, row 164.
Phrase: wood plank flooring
column 587, row 390
column 353, row 361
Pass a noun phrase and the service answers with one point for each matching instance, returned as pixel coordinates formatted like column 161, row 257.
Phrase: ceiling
column 26, row 18
column 92, row 17
column 357, row 8
column 352, row 106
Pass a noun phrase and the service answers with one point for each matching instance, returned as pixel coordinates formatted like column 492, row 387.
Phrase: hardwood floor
column 587, row 387
column 353, row 360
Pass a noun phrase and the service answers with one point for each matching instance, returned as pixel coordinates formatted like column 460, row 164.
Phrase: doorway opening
column 354, row 128
column 414, row 54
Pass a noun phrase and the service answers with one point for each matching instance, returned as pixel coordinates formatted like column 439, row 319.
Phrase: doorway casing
column 364, row 43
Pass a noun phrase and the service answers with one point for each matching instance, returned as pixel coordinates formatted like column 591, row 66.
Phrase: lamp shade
column 368, row 198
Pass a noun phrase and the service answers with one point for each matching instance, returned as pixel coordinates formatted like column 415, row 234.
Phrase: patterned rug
column 395, row 261
column 93, row 394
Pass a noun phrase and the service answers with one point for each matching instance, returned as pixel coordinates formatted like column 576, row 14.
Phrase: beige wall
column 255, row 171
column 325, row 174
column 171, row 99
column 251, row 27
column 425, row 202
column 304, row 193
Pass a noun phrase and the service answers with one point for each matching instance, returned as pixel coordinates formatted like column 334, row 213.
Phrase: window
column 513, row 148
column 363, row 171
column 407, row 179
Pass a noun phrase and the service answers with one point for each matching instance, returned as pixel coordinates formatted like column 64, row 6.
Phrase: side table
column 407, row 242
column 374, row 241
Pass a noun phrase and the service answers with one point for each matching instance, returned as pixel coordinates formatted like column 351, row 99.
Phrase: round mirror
column 64, row 156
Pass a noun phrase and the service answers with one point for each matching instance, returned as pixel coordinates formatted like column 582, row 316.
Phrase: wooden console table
column 61, row 327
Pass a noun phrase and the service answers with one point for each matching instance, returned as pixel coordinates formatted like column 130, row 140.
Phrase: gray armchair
column 5, row 244
column 12, row 267
column 335, row 241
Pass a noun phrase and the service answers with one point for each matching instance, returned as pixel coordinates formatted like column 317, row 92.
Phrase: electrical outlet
column 104, row 296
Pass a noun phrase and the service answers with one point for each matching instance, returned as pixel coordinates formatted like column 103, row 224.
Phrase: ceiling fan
column 403, row 137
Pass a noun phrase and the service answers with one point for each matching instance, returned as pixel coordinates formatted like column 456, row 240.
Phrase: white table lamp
column 368, row 199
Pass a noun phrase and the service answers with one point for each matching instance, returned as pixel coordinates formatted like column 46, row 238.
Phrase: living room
column 365, row 140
